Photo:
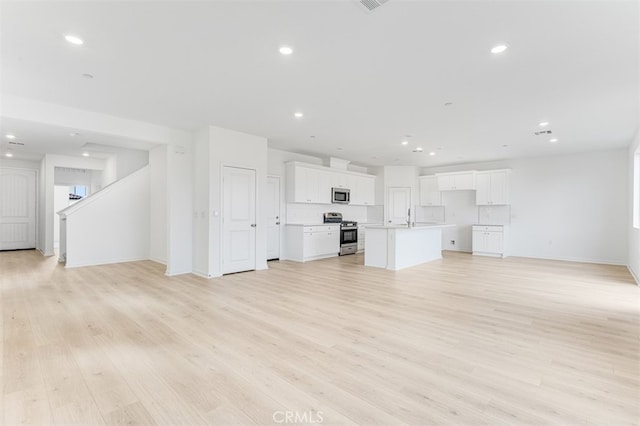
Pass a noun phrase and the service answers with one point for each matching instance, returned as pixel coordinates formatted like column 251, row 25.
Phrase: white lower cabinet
column 489, row 240
column 306, row 243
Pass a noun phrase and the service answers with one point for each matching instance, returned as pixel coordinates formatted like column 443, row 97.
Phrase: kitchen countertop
column 416, row 226
column 312, row 224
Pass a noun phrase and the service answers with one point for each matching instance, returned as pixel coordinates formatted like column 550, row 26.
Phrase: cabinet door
column 323, row 191
column 340, row 180
column 494, row 242
column 368, row 190
column 429, row 191
column 479, row 241
column 327, row 243
column 483, row 182
column 309, row 244
column 362, row 190
column 446, row 183
column 354, row 184
column 464, row 181
column 499, row 190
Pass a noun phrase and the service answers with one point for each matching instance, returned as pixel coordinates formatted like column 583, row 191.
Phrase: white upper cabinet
column 312, row 184
column 492, row 187
column 456, row 181
column 340, row 180
column 362, row 190
column 308, row 185
column 429, row 191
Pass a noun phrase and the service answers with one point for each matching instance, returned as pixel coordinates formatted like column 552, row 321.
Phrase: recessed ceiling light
column 10, row 136
column 286, row 50
column 8, row 154
column 73, row 134
column 504, row 146
column 85, row 154
column 298, row 115
column 87, row 75
column 405, row 142
column 447, row 104
column 554, row 140
column 544, row 123
column 73, row 39
column 499, row 48
column 432, row 153
column 418, row 149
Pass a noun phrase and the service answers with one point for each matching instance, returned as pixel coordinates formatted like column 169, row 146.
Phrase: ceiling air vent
column 16, row 143
column 372, row 5
column 542, row 132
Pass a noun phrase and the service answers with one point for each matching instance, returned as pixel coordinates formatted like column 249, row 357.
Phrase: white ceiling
column 363, row 80
column 33, row 140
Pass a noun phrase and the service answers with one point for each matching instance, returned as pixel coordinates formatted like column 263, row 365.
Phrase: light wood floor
column 465, row 340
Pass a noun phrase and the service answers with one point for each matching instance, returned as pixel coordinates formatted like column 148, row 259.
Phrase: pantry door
column 398, row 205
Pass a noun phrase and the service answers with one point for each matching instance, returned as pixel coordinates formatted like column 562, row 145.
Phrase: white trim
column 576, row 260
column 162, row 262
column 107, row 262
column 635, row 277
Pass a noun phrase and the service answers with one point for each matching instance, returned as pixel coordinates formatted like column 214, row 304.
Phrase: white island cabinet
column 399, row 247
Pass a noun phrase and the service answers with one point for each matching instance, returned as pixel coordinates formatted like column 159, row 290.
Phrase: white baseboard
column 175, row 274
column 574, row 259
column 635, row 277
column 104, row 262
column 162, row 262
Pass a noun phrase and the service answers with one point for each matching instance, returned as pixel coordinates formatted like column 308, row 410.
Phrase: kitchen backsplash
column 494, row 215
column 312, row 213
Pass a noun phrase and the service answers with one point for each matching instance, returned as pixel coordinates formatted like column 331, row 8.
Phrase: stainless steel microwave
column 340, row 196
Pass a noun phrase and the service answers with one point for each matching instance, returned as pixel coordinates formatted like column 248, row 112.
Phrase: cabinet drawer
column 321, row 228
column 488, row 228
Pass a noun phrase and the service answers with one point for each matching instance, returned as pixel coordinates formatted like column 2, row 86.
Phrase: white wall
column 566, row 207
column 46, row 210
column 158, row 204
column 215, row 148
column 129, row 160
column 110, row 226
column 201, row 203
column 60, row 202
column 633, row 261
column 72, row 177
column 180, row 205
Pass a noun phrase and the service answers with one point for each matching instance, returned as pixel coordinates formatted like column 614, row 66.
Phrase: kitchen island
column 397, row 247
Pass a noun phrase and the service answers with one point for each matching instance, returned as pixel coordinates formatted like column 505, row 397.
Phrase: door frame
column 279, row 213
column 386, row 195
column 222, row 224
column 37, row 205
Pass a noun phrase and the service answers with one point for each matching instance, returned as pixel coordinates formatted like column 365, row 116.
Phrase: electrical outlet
column 453, row 242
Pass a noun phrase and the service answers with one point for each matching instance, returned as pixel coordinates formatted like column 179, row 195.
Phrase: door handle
column 253, row 225
column 277, row 223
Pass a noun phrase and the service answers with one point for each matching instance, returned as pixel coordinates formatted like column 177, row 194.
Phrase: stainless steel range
column 348, row 232
column 348, row 237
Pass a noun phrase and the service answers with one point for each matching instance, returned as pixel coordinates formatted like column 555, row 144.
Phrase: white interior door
column 17, row 209
column 273, row 218
column 398, row 205
column 239, row 220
